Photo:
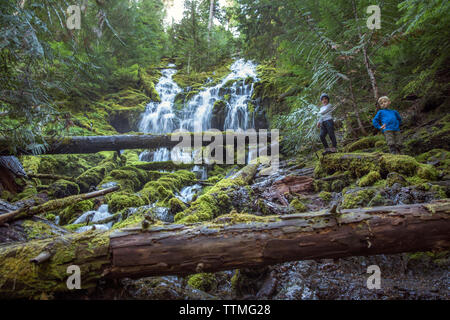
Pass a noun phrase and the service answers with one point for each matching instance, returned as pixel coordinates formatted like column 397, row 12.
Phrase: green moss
column 28, row 193
column 395, row 177
column 93, row 176
column 298, row 206
column 427, row 172
column 212, row 203
column 357, row 164
column 37, row 230
column 133, row 220
column 163, row 189
column 148, row 86
column 122, row 200
column 325, row 196
column 22, row 278
column 203, row 281
column 439, row 192
column 361, row 164
column 50, row 217
column 163, row 165
column 63, row 188
column 369, row 179
column 399, row 163
column 378, row 200
column 176, row 205
column 364, row 143
column 72, row 212
column 357, row 199
column 74, row 227
column 130, row 179
column 237, row 218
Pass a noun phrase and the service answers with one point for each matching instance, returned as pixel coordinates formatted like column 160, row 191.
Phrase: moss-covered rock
column 325, row 196
column 38, row 230
column 163, row 189
column 219, row 113
column 364, row 143
column 357, row 198
column 214, row 202
column 369, row 179
column 63, row 188
column 147, row 85
column 122, row 200
column 176, row 205
column 71, row 213
column 394, row 177
column 298, row 206
column 361, row 164
column 203, row 281
column 93, row 176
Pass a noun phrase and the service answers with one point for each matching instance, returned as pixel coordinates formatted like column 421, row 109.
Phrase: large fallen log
column 182, row 249
column 94, row 144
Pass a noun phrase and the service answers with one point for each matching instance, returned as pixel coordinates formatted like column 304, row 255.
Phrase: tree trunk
column 94, row 144
column 182, row 250
column 355, row 106
column 373, row 80
column 210, row 20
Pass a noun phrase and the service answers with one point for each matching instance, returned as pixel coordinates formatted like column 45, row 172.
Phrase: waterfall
column 198, row 115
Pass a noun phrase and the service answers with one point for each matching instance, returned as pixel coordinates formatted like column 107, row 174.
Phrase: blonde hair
column 383, row 98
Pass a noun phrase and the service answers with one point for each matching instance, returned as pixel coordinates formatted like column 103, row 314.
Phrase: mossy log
column 221, row 245
column 50, row 176
column 94, row 144
column 53, row 205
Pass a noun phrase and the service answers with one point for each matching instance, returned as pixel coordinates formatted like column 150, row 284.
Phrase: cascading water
column 235, row 92
column 198, row 114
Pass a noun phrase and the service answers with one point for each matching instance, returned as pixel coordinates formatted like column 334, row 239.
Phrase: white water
column 187, row 193
column 95, row 216
column 197, row 114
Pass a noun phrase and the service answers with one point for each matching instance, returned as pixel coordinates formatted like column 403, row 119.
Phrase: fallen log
column 94, row 144
column 53, row 205
column 50, row 176
column 183, row 249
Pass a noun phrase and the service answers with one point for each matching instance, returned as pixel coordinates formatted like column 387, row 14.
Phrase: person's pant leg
column 323, row 134
column 390, row 141
column 330, row 130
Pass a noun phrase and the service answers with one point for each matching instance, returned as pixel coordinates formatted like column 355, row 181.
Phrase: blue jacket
column 389, row 117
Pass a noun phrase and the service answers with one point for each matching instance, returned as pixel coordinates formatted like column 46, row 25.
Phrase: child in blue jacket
column 389, row 122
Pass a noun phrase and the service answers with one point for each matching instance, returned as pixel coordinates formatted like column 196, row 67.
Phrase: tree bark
column 94, row 144
column 373, row 80
column 182, row 249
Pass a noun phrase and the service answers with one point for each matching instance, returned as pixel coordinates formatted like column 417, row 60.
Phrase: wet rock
column 219, row 112
column 393, row 178
column 294, row 184
column 268, row 287
column 64, row 188
column 163, row 288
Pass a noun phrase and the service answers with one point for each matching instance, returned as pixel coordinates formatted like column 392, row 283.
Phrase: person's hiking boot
column 333, row 150
column 327, row 151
